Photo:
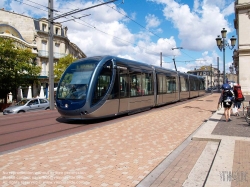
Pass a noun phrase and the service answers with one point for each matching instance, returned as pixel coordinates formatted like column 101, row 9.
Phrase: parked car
column 27, row 105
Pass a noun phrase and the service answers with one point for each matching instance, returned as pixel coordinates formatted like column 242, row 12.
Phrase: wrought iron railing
column 44, row 73
column 43, row 53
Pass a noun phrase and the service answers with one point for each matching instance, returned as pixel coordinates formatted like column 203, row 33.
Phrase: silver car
column 27, row 105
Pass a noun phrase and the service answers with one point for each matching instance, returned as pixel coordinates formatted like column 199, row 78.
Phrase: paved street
column 185, row 145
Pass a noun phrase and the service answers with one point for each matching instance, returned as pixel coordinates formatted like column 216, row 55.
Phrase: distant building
column 31, row 33
column 212, row 76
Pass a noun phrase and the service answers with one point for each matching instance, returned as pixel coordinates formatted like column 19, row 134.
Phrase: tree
column 17, row 67
column 61, row 66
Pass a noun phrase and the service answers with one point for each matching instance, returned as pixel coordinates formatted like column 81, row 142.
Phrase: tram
column 105, row 86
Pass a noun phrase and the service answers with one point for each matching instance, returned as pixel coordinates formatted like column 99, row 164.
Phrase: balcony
column 44, row 73
column 42, row 53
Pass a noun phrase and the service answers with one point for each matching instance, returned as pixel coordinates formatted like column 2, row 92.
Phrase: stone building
column 31, row 33
column 211, row 75
column 241, row 56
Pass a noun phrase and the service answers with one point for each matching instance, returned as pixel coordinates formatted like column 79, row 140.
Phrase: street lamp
column 222, row 44
column 174, row 56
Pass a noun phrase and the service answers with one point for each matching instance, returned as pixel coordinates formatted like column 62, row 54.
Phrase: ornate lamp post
column 222, row 44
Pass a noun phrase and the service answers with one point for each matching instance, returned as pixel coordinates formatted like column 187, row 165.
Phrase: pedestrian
column 239, row 97
column 226, row 98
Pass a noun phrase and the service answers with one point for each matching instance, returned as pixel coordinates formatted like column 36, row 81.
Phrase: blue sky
column 142, row 29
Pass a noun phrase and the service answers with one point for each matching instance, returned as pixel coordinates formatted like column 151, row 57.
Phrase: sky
column 141, row 30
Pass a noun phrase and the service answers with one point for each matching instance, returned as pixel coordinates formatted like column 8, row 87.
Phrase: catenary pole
column 218, row 74
column 224, row 62
column 51, row 56
column 161, row 59
column 51, row 52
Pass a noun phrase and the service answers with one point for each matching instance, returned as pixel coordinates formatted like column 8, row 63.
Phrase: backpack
column 226, row 86
column 238, row 93
column 227, row 96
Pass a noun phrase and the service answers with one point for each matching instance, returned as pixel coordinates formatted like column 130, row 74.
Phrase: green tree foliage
column 61, row 66
column 17, row 67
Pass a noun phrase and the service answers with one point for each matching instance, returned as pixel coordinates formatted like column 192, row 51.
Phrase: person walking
column 239, row 97
column 226, row 98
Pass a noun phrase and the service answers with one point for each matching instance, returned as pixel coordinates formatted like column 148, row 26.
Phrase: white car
column 27, row 105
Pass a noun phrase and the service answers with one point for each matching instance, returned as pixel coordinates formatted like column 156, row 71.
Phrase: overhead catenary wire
column 64, row 15
column 143, row 27
column 141, row 47
column 41, row 5
column 30, row 5
column 94, row 27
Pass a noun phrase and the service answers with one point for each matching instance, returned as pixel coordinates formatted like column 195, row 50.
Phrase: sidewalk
column 217, row 155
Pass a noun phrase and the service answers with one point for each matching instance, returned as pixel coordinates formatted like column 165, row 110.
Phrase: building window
column 57, row 31
column 44, row 26
column 57, row 50
column 44, row 69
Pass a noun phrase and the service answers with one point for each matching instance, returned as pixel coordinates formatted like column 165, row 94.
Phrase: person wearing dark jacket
column 226, row 98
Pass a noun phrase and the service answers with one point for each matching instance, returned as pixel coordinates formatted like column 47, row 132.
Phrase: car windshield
column 22, row 102
column 75, row 80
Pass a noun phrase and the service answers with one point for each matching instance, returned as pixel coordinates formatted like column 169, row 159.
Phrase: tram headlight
column 66, row 105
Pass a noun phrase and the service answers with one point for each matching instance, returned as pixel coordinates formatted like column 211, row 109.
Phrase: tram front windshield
column 75, row 80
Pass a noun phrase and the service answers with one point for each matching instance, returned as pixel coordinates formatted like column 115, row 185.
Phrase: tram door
column 123, row 89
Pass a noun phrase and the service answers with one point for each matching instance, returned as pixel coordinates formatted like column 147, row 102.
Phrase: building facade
column 241, row 56
column 212, row 76
column 31, row 33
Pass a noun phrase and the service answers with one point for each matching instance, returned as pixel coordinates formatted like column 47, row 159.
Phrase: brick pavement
column 179, row 169
column 241, row 164
column 120, row 154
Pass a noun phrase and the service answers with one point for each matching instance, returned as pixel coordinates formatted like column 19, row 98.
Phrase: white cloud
column 152, row 21
column 199, row 27
column 2, row 3
column 196, row 5
column 105, row 31
column 229, row 10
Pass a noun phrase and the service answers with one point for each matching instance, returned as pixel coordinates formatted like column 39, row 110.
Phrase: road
column 20, row 130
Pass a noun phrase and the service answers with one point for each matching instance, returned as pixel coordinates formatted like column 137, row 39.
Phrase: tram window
column 171, row 84
column 164, row 84
column 161, row 84
column 147, row 84
column 202, row 85
column 74, row 83
column 192, row 84
column 103, row 82
column 187, row 83
column 115, row 91
column 197, row 84
column 184, row 84
column 135, row 84
column 124, row 83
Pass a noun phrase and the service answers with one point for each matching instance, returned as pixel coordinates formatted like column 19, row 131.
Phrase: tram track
column 32, row 137
column 26, row 117
column 24, row 130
